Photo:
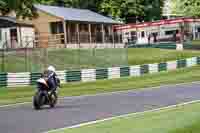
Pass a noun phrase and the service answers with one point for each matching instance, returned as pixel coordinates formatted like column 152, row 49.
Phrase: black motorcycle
column 44, row 95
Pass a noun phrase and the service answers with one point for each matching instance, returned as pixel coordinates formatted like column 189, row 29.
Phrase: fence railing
column 53, row 40
column 74, row 40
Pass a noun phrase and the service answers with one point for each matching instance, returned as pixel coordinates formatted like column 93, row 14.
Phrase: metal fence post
column 26, row 63
column 94, row 55
column 3, row 59
column 3, row 54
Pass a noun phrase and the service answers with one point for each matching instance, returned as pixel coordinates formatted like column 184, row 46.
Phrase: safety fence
column 38, row 59
column 161, row 45
column 88, row 75
column 167, row 45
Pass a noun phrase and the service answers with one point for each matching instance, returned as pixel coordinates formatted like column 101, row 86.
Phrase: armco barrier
column 87, row 75
column 101, row 74
column 164, row 46
column 162, row 67
column 3, row 79
column 161, row 45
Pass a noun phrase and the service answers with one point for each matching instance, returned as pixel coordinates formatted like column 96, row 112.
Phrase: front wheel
column 36, row 101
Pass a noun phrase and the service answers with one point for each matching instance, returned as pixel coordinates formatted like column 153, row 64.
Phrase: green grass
column 182, row 119
column 24, row 94
column 196, row 42
column 153, row 55
column 67, row 59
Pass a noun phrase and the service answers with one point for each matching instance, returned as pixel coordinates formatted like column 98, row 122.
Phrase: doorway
column 13, row 37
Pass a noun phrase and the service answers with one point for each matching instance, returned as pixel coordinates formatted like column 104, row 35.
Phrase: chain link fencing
column 78, row 53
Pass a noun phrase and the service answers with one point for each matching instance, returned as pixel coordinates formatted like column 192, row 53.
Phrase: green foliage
column 83, row 4
column 24, row 8
column 133, row 10
column 153, row 10
column 186, row 8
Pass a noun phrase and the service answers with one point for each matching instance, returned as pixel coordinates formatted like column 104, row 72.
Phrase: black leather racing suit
column 52, row 79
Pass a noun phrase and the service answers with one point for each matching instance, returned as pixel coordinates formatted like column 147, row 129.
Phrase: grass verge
column 182, row 119
column 24, row 94
column 138, row 56
column 196, row 42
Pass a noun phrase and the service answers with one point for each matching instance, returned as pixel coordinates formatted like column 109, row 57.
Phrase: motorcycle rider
column 52, row 79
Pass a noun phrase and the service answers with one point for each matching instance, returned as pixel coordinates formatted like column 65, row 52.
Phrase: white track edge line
column 120, row 116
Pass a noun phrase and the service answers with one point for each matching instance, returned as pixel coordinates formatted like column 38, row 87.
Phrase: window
column 198, row 29
column 142, row 34
column 154, row 33
column 0, row 34
column 171, row 32
column 133, row 33
column 56, row 27
column 133, row 36
column 127, row 33
column 13, row 34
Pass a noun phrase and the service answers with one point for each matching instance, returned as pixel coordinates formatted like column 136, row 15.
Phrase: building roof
column 73, row 14
column 7, row 21
column 156, row 23
column 7, row 18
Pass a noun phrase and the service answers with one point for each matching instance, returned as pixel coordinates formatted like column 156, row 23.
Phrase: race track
column 75, row 110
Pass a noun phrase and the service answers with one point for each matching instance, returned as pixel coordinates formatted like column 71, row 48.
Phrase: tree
column 122, row 9
column 112, row 8
column 82, row 4
column 22, row 8
column 190, row 8
column 133, row 10
column 153, row 10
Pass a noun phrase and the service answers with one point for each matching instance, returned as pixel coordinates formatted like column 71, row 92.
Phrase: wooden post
column 19, row 34
column 68, row 32
column 194, row 30
column 109, row 29
column 103, row 33
column 78, row 33
column 182, row 32
column 110, row 33
column 65, row 33
column 90, row 34
column 113, row 38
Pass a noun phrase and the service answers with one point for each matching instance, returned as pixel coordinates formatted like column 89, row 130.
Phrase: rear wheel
column 54, row 98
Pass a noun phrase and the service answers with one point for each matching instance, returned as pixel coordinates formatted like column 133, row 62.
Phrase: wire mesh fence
column 37, row 59
column 43, row 51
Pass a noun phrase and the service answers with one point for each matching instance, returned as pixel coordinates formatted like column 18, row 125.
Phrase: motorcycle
column 44, row 95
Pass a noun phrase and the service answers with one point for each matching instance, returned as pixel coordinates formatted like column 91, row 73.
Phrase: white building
column 162, row 31
column 15, row 34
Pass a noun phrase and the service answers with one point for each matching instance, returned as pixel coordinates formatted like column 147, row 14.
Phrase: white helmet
column 51, row 68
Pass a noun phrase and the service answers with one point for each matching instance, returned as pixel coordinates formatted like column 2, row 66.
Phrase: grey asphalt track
column 75, row 110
